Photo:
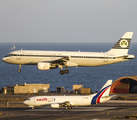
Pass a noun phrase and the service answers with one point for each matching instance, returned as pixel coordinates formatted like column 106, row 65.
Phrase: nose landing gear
column 19, row 69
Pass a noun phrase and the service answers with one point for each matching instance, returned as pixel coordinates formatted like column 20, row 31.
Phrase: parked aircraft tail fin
column 103, row 94
column 122, row 46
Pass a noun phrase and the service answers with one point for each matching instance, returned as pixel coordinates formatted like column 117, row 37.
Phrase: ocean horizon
column 90, row 77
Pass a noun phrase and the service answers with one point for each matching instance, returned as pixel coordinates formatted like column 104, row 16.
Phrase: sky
column 67, row 20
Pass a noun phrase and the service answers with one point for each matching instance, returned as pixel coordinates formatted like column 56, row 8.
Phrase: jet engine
column 55, row 105
column 46, row 66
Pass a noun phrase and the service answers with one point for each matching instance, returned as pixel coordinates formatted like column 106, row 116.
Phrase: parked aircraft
column 69, row 101
column 46, row 60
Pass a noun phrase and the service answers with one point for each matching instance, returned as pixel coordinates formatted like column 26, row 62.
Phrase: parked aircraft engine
column 46, row 66
column 55, row 105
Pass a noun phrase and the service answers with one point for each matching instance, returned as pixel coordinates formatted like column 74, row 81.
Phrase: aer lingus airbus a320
column 46, row 60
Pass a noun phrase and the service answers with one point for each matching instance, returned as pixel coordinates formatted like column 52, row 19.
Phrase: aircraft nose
column 3, row 59
column 26, row 102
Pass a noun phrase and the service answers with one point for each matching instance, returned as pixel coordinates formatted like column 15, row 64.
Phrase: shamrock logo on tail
column 123, row 43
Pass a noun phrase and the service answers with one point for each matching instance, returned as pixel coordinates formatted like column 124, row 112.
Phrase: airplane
column 13, row 47
column 46, row 60
column 69, row 101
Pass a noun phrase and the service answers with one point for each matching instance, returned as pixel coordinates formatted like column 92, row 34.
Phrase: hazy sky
column 67, row 20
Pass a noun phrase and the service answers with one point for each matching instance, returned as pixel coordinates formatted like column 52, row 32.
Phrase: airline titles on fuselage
column 46, row 99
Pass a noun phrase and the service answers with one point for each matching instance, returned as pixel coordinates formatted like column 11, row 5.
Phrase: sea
column 90, row 77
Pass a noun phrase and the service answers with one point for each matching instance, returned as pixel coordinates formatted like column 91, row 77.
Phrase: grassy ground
column 126, row 98
column 126, row 117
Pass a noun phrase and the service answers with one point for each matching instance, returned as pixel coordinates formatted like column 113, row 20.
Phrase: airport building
column 43, row 88
column 127, row 84
column 62, row 90
column 27, row 88
column 79, row 89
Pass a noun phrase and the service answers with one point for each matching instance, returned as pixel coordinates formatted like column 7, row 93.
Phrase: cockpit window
column 28, row 99
column 7, row 55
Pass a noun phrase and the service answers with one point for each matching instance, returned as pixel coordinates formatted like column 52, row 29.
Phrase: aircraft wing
column 59, row 61
column 63, row 61
column 66, row 103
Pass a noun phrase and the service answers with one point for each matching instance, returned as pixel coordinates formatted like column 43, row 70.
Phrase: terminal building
column 43, row 88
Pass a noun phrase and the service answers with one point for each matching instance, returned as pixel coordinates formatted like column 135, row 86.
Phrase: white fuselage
column 30, row 57
column 48, row 100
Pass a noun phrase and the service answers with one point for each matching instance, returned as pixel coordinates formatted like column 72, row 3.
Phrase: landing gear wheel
column 70, row 107
column 19, row 68
column 66, row 71
column 61, row 72
column 66, row 107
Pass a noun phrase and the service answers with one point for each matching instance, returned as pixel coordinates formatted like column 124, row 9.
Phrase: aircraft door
column 18, row 57
column 34, row 100
column 105, row 57
column 53, row 56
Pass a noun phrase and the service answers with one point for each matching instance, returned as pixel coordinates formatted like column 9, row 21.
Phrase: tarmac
column 103, row 111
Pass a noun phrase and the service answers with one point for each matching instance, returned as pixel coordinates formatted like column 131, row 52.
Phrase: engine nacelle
column 55, row 105
column 46, row 66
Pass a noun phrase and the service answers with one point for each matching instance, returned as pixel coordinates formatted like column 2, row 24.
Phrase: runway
column 105, row 111
column 74, row 109
column 79, row 113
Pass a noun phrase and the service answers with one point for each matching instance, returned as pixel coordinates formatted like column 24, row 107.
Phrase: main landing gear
column 19, row 69
column 66, row 71
column 68, row 107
